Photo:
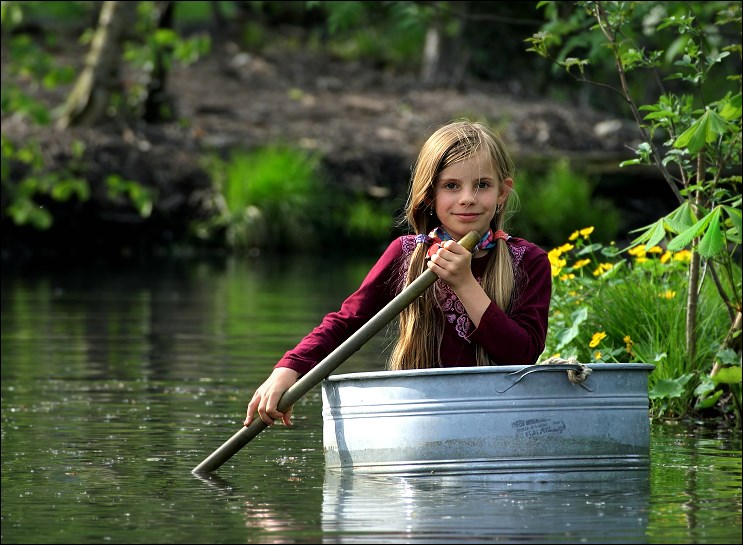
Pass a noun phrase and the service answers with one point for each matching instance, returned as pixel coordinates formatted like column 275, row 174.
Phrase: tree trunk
column 89, row 99
column 444, row 56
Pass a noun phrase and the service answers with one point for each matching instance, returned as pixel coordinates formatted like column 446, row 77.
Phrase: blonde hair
column 421, row 324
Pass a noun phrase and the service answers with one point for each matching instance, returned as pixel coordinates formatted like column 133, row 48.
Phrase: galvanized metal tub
column 506, row 422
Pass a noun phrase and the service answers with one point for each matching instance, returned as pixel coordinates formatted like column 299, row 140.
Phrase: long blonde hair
column 421, row 324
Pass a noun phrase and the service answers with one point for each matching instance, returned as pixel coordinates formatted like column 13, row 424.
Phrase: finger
column 441, row 256
column 454, row 247
column 287, row 419
column 272, row 409
column 252, row 407
column 263, row 413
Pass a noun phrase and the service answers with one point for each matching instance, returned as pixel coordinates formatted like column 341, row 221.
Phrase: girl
column 489, row 306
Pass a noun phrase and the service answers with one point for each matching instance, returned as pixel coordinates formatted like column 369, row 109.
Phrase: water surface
column 116, row 383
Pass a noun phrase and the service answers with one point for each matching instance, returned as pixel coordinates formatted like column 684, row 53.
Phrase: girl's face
column 467, row 194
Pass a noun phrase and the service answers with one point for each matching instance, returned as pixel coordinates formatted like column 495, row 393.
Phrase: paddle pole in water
column 331, row 362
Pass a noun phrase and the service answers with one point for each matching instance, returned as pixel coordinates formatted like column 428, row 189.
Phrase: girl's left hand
column 452, row 263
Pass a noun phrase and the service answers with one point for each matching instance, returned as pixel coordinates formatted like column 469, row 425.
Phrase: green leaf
column 704, row 130
column 705, row 386
column 707, row 402
column 680, row 219
column 734, row 214
column 728, row 375
column 653, row 234
column 731, row 109
column 713, row 241
column 667, row 388
column 578, row 317
column 728, row 356
column 685, row 238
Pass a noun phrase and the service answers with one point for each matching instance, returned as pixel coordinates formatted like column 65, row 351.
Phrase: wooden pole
column 331, row 362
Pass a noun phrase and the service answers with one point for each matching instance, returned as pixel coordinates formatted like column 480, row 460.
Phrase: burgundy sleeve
column 375, row 292
column 518, row 338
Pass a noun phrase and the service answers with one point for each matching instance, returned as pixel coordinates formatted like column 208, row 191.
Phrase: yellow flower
column 602, row 268
column 557, row 267
column 596, row 339
column 637, row 251
column 683, row 255
column 566, row 277
column 642, row 259
column 581, row 263
column 628, row 343
column 655, row 250
column 597, row 355
column 587, row 231
column 566, row 248
column 573, row 235
column 665, row 257
column 668, row 294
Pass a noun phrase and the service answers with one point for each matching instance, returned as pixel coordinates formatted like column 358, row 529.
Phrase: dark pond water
column 115, row 384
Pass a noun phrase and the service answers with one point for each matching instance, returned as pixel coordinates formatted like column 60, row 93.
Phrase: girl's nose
column 467, row 196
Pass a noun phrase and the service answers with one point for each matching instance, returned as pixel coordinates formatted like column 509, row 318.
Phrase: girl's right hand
column 266, row 398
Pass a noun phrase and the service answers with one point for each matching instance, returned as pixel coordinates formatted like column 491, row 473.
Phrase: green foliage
column 198, row 12
column 614, row 308
column 388, row 33
column 24, row 198
column 367, row 221
column 142, row 198
column 553, row 202
column 276, row 197
column 264, row 198
column 31, row 63
column 26, row 195
column 677, row 67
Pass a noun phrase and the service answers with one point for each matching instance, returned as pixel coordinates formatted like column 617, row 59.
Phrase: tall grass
column 264, row 198
column 278, row 197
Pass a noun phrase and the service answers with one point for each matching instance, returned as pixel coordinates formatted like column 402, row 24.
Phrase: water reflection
column 397, row 509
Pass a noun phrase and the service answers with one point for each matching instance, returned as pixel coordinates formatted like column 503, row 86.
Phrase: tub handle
column 576, row 368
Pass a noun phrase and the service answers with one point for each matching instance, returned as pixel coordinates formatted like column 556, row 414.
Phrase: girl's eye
column 450, row 185
column 483, row 185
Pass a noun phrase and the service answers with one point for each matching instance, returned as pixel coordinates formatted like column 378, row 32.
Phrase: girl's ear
column 508, row 183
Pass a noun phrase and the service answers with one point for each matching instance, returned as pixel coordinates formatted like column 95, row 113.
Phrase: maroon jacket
column 513, row 338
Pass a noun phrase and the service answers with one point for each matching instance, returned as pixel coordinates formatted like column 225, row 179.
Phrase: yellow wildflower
column 665, row 257
column 566, row 248
column 655, row 250
column 596, row 339
column 628, row 344
column 597, row 355
column 602, row 268
column 566, row 277
column 586, row 231
column 573, row 235
column 683, row 255
column 637, row 251
column 581, row 263
column 668, row 294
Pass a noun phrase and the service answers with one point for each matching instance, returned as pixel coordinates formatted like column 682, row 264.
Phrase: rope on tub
column 576, row 376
